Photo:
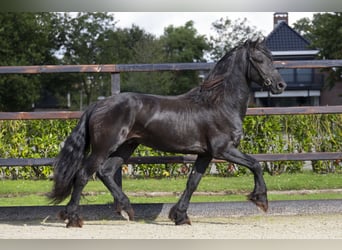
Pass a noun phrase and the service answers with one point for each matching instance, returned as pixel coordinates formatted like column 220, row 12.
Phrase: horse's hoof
column 117, row 208
column 186, row 221
column 263, row 206
column 179, row 218
column 128, row 215
column 74, row 221
column 259, row 200
column 71, row 220
column 62, row 215
column 173, row 214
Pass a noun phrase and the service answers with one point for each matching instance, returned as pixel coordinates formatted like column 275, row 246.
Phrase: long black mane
column 219, row 79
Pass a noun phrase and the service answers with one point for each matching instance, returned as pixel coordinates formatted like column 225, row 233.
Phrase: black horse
column 206, row 121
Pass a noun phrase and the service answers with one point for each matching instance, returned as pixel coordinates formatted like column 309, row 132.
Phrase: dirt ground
column 250, row 227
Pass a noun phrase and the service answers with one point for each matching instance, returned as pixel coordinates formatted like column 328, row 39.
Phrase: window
column 297, row 77
column 304, row 75
column 288, row 101
column 287, row 74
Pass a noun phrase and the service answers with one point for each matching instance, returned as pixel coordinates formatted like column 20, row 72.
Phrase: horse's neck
column 236, row 98
column 236, row 87
column 226, row 87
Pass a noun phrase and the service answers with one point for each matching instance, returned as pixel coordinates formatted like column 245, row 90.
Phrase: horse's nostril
column 281, row 85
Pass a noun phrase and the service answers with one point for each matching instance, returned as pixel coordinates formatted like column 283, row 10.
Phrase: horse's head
column 260, row 67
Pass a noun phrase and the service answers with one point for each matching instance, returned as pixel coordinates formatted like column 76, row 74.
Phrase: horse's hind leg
column 106, row 174
column 178, row 212
column 70, row 214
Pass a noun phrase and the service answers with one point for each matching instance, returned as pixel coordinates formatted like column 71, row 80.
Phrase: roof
column 284, row 38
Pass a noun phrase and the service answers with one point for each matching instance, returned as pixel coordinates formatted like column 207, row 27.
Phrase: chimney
column 279, row 17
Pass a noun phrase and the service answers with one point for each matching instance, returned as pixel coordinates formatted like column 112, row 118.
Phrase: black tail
column 69, row 160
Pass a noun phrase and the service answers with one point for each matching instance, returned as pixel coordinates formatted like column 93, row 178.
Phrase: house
column 305, row 87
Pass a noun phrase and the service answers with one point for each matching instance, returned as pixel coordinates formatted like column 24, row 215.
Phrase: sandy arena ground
column 250, row 227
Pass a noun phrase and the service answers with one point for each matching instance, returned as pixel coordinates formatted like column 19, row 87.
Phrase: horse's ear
column 257, row 41
column 262, row 40
column 247, row 43
column 253, row 43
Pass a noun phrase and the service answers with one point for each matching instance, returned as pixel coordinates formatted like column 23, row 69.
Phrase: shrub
column 262, row 134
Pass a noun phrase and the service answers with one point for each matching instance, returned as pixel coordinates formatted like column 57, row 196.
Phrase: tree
column 177, row 44
column 183, row 44
column 26, row 39
column 88, row 42
column 147, row 49
column 228, row 35
column 324, row 32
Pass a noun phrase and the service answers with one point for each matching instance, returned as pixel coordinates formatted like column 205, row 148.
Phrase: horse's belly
column 173, row 143
column 171, row 131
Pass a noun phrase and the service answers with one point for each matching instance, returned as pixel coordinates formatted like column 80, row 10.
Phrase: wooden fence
column 116, row 69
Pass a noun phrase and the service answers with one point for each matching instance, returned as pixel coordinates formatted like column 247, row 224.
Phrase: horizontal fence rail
column 250, row 111
column 184, row 159
column 117, row 68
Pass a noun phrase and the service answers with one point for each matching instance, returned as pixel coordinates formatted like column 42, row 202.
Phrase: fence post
column 115, row 83
column 115, row 89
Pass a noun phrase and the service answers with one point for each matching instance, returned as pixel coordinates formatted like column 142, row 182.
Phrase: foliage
column 228, row 35
column 88, row 42
column 26, row 39
column 183, row 44
column 18, row 93
column 176, row 45
column 93, row 38
column 144, row 48
column 31, row 139
column 262, row 134
column 89, row 38
column 324, row 32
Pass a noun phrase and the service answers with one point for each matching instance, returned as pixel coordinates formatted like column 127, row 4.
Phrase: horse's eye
column 258, row 59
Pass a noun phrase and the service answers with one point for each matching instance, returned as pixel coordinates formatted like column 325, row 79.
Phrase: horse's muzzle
column 278, row 88
column 281, row 86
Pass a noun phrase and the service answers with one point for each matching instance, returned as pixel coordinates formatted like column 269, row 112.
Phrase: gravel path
column 249, row 227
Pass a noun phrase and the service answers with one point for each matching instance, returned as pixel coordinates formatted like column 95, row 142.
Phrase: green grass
column 26, row 192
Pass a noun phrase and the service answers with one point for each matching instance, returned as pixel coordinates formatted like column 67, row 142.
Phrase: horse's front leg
column 178, row 212
column 259, row 194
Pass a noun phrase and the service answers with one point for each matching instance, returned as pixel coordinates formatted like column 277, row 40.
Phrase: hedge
column 262, row 134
